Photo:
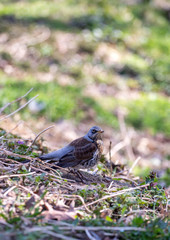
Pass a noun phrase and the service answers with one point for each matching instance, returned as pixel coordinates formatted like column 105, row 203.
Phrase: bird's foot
column 79, row 174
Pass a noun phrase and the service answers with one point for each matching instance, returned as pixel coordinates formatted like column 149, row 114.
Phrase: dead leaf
column 60, row 215
column 105, row 213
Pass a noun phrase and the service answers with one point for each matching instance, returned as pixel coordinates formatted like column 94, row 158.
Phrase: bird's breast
column 99, row 144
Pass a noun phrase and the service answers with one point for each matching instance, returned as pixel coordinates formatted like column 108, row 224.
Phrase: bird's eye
column 93, row 131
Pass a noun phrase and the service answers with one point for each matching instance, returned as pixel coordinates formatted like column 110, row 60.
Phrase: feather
column 56, row 155
column 83, row 152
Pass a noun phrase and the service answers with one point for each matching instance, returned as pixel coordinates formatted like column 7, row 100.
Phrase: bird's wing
column 68, row 160
column 83, row 151
column 57, row 155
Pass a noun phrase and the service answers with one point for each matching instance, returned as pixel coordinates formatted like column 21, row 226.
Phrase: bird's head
column 95, row 133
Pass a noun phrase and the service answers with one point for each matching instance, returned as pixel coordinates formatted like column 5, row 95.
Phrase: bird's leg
column 72, row 170
column 78, row 173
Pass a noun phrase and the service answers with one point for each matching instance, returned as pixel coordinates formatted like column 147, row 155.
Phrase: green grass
column 152, row 112
column 149, row 111
column 59, row 102
column 63, row 103
column 139, row 32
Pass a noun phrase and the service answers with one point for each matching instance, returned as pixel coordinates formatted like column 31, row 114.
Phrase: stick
column 63, row 225
column 16, row 100
column 28, row 190
column 17, row 155
column 121, row 229
column 110, row 157
column 48, row 230
column 38, row 136
column 17, row 175
column 9, row 190
column 134, row 164
column 124, row 178
column 125, row 135
column 89, row 235
column 3, row 118
column 118, row 147
column 21, row 121
column 66, row 226
column 81, row 199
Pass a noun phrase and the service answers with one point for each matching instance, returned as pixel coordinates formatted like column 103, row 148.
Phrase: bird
column 82, row 153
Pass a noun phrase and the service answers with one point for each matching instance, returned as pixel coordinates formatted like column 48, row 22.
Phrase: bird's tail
column 49, row 156
column 56, row 155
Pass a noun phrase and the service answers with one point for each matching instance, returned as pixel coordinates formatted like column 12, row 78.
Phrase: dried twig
column 125, row 136
column 110, row 185
column 167, row 204
column 17, row 175
column 89, row 235
column 110, row 157
column 16, row 155
column 9, row 190
column 11, row 130
column 28, row 190
column 133, row 165
column 125, row 178
column 16, row 100
column 38, row 136
column 81, row 199
column 12, row 162
column 9, row 115
column 120, row 229
column 117, row 147
column 59, row 235
column 48, row 230
column 5, row 223
column 57, row 178
column 64, row 226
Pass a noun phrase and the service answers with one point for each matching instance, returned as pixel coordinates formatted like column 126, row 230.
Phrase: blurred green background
column 86, row 59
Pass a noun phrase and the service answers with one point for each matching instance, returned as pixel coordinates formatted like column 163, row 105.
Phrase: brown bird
column 82, row 153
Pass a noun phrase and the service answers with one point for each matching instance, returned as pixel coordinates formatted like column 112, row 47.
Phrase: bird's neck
column 87, row 138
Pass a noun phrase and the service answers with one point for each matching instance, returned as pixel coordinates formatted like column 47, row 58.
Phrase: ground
column 91, row 63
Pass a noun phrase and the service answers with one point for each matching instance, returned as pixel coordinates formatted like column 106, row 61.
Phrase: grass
column 155, row 118
column 138, row 32
column 64, row 102
column 68, row 102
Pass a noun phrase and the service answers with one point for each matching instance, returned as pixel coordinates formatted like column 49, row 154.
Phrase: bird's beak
column 101, row 131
